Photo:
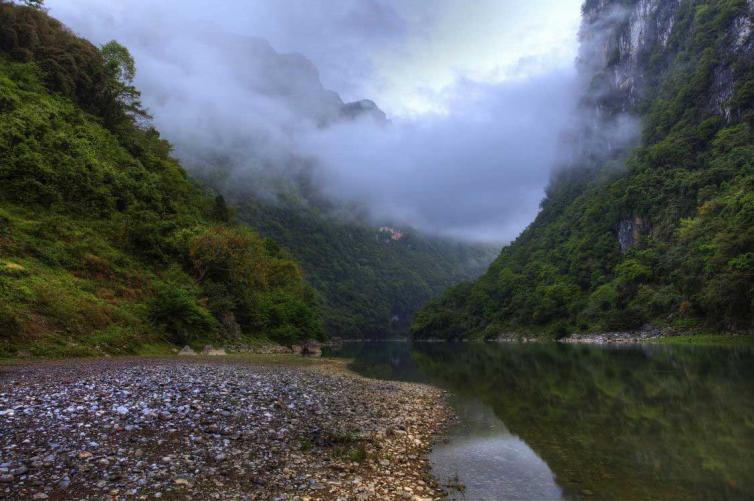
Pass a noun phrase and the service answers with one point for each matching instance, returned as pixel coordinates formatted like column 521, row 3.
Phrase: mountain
column 370, row 284
column 371, row 280
column 654, row 227
column 245, row 136
column 106, row 245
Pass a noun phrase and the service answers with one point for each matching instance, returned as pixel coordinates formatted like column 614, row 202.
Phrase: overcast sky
column 478, row 93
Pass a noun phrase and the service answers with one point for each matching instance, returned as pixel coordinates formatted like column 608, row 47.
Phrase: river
column 553, row 421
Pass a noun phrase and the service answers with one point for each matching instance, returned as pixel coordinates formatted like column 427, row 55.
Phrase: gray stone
column 211, row 351
column 187, row 352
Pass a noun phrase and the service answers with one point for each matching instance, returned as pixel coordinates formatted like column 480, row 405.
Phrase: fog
column 477, row 98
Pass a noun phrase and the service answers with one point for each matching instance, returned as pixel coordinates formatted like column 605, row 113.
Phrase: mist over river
column 550, row 421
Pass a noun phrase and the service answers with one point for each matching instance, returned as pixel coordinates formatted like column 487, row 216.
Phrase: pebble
column 173, row 428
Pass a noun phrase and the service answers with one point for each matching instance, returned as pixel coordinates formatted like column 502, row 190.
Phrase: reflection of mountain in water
column 631, row 423
column 382, row 360
column 488, row 461
column 476, row 418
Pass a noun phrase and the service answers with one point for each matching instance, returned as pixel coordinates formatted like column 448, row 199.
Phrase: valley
column 377, row 250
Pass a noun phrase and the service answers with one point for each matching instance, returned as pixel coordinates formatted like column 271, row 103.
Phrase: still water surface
column 550, row 421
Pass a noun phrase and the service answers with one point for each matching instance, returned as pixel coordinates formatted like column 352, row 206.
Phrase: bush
column 9, row 325
column 288, row 317
column 177, row 312
column 244, row 274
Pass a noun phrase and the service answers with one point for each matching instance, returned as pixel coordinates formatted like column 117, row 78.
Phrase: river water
column 552, row 421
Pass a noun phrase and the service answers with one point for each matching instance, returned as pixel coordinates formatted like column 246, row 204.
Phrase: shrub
column 9, row 324
column 176, row 311
column 242, row 273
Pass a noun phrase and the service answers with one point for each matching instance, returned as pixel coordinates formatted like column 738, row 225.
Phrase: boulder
column 186, row 352
column 211, row 351
column 311, row 349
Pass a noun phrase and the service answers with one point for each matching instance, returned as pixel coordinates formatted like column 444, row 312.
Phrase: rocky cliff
column 625, row 40
column 651, row 218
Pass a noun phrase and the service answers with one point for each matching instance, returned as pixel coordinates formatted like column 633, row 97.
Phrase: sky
column 477, row 95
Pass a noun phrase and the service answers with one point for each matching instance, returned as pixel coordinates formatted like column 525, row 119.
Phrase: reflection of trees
column 382, row 360
column 622, row 423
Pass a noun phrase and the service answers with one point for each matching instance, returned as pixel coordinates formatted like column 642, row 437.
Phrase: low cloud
column 476, row 172
column 239, row 109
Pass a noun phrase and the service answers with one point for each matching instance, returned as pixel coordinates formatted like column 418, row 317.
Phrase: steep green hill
column 105, row 244
column 667, row 237
column 371, row 280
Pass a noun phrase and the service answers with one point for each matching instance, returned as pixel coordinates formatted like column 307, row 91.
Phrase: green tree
column 124, row 98
column 177, row 312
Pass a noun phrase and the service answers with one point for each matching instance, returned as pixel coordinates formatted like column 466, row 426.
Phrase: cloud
column 477, row 96
column 475, row 172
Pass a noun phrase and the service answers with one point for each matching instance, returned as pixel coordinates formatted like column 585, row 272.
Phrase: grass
column 65, row 291
column 709, row 340
column 358, row 454
column 347, row 445
column 157, row 349
column 306, row 445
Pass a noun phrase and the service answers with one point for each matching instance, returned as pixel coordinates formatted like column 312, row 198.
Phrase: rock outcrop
column 621, row 40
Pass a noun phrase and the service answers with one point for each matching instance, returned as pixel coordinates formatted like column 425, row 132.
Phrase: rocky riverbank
column 213, row 429
column 623, row 337
column 644, row 335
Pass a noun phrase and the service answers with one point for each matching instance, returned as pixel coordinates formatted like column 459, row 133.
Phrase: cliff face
column 627, row 36
column 621, row 36
column 622, row 44
column 651, row 219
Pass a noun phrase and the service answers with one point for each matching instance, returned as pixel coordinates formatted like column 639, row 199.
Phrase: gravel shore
column 208, row 429
column 644, row 335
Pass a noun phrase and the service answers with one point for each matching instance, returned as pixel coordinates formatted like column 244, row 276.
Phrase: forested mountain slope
column 661, row 233
column 371, row 280
column 105, row 243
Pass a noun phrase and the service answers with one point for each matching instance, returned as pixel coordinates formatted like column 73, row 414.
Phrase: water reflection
column 612, row 423
column 488, row 461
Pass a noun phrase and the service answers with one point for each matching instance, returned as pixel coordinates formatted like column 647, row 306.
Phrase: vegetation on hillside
column 370, row 283
column 691, row 183
column 105, row 243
